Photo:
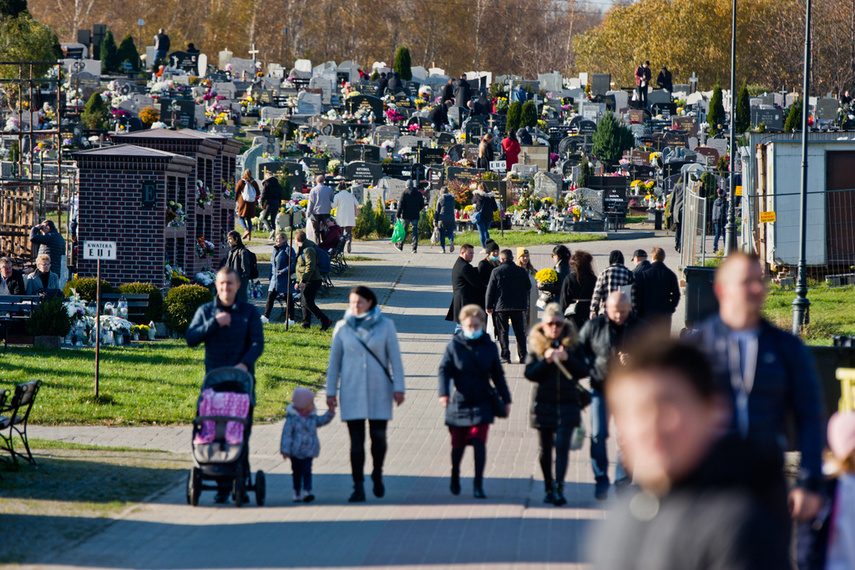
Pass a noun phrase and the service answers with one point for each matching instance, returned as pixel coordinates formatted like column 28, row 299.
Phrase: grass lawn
column 830, row 312
column 524, row 238
column 158, row 382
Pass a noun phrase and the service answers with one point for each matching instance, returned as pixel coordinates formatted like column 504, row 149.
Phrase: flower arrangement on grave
column 490, row 176
column 419, row 102
column 204, row 248
column 304, row 203
column 501, row 105
column 333, row 166
column 203, row 194
column 468, row 212
column 76, row 307
column 394, row 117
column 229, row 190
column 174, row 274
column 206, row 277
column 12, row 125
column 462, row 193
column 391, row 205
column 321, row 151
column 175, row 216
column 414, row 127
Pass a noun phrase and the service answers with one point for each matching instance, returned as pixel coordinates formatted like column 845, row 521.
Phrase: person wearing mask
column 471, row 366
column 511, row 147
column 238, row 260
column 363, row 351
column 719, row 216
column 490, row 262
column 444, row 218
column 507, row 300
column 309, row 280
column 485, row 206
column 42, row 279
column 486, row 153
column 410, row 208
column 607, row 340
column 247, row 196
column 282, row 261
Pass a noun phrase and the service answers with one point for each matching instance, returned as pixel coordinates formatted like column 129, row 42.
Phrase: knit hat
column 302, row 397
column 521, row 251
column 841, row 434
column 491, row 246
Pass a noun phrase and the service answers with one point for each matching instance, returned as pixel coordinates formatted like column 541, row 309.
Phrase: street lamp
column 730, row 228
column 140, row 23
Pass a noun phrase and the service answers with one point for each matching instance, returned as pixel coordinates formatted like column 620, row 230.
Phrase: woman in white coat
column 364, row 348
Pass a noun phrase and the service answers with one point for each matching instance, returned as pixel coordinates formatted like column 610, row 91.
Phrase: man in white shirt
column 346, row 209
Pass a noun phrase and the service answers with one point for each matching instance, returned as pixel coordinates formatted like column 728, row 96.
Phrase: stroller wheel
column 194, row 486
column 260, row 488
column 240, row 488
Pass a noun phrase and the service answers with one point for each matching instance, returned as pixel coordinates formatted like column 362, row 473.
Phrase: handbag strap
column 371, row 352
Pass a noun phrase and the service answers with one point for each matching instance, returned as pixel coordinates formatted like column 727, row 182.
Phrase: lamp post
column 801, row 305
column 140, row 23
column 730, row 228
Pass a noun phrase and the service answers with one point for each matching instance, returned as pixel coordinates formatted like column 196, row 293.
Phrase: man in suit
column 466, row 284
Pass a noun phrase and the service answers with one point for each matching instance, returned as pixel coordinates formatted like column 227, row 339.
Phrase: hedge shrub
column 49, row 319
column 364, row 221
column 154, row 312
column 181, row 303
column 86, row 288
column 382, row 225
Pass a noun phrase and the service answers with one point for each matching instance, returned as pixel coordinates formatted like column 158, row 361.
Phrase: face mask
column 472, row 335
column 494, row 258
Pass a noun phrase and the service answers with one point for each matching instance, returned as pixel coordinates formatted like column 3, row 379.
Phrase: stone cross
column 694, row 81
column 253, row 52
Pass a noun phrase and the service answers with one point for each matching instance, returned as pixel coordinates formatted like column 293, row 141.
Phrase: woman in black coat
column 578, row 287
column 553, row 365
column 471, row 362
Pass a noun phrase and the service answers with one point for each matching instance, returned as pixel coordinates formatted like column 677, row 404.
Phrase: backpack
column 253, row 264
column 249, row 193
column 324, row 264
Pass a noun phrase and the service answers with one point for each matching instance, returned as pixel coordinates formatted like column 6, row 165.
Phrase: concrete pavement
column 418, row 523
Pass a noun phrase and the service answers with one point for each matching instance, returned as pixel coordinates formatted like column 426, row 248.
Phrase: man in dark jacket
column 604, row 338
column 394, row 86
column 703, row 502
column 656, row 292
column 462, row 92
column 309, row 280
column 507, row 297
column 233, row 336
column 677, row 215
column 270, row 199
column 11, row 280
column 486, row 265
column 410, row 207
column 719, row 217
column 466, row 285
column 439, row 115
column 51, row 243
column 382, row 83
column 769, row 376
column 639, row 258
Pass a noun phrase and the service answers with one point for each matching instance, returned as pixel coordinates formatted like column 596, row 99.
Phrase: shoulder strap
column 474, row 358
column 371, row 352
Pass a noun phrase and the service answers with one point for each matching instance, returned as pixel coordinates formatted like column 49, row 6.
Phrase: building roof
column 125, row 150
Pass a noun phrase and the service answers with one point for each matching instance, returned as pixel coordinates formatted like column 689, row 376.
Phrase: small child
column 300, row 440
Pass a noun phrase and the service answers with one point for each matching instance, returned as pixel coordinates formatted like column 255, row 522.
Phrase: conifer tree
column 611, row 140
column 794, row 118
column 109, row 52
column 514, row 112
column 743, row 110
column 403, row 63
column 528, row 115
column 716, row 116
column 128, row 52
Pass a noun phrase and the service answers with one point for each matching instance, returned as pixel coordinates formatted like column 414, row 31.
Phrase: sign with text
column 99, row 250
column 767, row 217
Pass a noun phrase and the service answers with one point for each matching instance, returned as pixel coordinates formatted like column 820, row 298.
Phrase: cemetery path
column 418, row 523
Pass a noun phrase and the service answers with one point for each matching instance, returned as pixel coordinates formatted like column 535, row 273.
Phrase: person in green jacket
column 309, row 280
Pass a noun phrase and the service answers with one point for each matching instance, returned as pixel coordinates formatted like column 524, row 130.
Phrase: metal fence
column 694, row 226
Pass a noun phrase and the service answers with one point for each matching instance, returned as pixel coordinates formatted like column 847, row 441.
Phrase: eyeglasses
column 555, row 324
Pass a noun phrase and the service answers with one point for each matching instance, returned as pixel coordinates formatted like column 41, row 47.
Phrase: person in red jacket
column 511, row 146
column 643, row 76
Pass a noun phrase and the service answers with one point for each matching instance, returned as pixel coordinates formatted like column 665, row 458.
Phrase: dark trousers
column 415, row 224
column 719, row 233
column 678, row 235
column 517, row 321
column 317, row 224
column 268, row 216
column 271, row 299
column 560, row 440
column 642, row 96
column 301, row 473
column 309, row 306
column 377, row 431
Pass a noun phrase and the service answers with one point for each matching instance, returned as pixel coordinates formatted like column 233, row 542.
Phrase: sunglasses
column 555, row 324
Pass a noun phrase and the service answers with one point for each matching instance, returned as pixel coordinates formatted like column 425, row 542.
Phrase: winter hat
column 491, row 246
column 841, row 434
column 302, row 397
column 521, row 251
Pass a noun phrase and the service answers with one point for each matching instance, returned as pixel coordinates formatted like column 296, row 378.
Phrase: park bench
column 137, row 303
column 15, row 309
column 14, row 417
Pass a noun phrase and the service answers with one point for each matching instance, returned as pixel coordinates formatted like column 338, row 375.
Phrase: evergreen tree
column 364, row 221
column 743, row 110
column 109, row 53
column 611, row 140
column 794, row 118
column 716, row 115
column 403, row 63
column 584, row 172
column 13, row 8
column 127, row 52
column 95, row 112
column 528, row 115
column 514, row 112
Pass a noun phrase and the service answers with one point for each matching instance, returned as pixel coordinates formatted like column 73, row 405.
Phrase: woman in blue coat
column 280, row 269
column 471, row 362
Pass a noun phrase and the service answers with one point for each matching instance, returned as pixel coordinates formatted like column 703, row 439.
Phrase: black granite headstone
column 317, row 165
column 429, row 156
column 363, row 172
column 184, row 61
column 587, row 127
column 374, row 104
column 445, row 139
column 436, row 177
column 180, row 113
column 362, row 153
column 774, row 118
column 462, row 174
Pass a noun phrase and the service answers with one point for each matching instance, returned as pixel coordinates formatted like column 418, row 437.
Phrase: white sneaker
column 291, row 323
column 264, row 320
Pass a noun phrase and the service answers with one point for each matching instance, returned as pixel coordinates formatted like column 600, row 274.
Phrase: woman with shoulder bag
column 247, row 195
column 557, row 398
column 470, row 363
column 364, row 347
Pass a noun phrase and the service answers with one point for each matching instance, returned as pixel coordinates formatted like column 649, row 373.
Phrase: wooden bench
column 137, row 302
column 15, row 309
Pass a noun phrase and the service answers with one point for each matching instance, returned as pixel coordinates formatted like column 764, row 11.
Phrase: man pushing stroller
column 233, row 336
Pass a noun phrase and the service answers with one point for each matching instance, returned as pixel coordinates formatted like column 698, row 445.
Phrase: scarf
column 362, row 327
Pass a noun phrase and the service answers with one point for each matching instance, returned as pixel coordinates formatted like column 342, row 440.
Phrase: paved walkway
column 418, row 523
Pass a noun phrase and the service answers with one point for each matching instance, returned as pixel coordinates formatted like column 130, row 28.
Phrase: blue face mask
column 494, row 258
column 472, row 335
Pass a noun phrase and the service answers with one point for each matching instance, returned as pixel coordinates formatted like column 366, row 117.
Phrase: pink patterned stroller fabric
column 222, row 404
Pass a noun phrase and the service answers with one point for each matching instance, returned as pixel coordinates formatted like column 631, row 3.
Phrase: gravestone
column 475, row 132
column 693, row 143
column 334, row 144
column 621, row 99
column 374, row 194
column 777, row 99
column 326, row 87
column 445, row 139
column 720, row 145
column 592, row 111
column 404, row 104
column 228, row 131
column 296, row 175
column 226, row 89
column 707, row 156
column 272, row 113
column 130, row 106
column 639, row 157
column 316, row 165
column 601, row 83
column 410, row 141
column 276, row 70
column 362, row 153
column 688, row 124
column 774, row 118
column 683, row 88
column 393, row 188
column 548, row 185
column 87, row 83
column 181, row 79
column 383, row 136
column 636, row 116
column 658, row 96
column 551, row 81
column 180, row 113
column 250, row 159
column 667, row 110
column 368, row 102
column 593, row 200
column 309, row 103
column 436, row 177
column 587, row 127
column 427, row 155
column 826, row 109
column 91, row 66
column 462, row 174
column 242, row 68
column 790, row 99
column 676, row 139
column 186, row 62
column 142, row 101
column 568, row 165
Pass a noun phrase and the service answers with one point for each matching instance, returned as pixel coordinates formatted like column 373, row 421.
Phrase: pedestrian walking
column 507, row 300
column 410, row 208
column 485, row 208
column 615, row 277
column 466, row 285
column 524, row 261
column 444, row 218
column 561, row 256
column 364, row 348
column 471, row 365
column 238, row 259
column 346, row 208
column 719, row 217
column 309, row 280
column 270, row 200
column 578, row 288
column 247, row 195
column 283, row 260
column 511, row 148
column 490, row 262
column 299, row 441
column 554, row 366
column 320, row 204
column 639, row 259
column 656, row 293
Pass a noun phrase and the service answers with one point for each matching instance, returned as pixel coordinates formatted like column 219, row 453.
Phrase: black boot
column 455, row 482
column 358, row 495
column 379, row 489
column 549, row 497
column 558, row 495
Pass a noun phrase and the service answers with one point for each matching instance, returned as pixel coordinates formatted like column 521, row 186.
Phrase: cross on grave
column 253, row 52
column 694, row 81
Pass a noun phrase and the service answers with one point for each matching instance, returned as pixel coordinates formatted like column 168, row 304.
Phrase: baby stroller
column 221, row 436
